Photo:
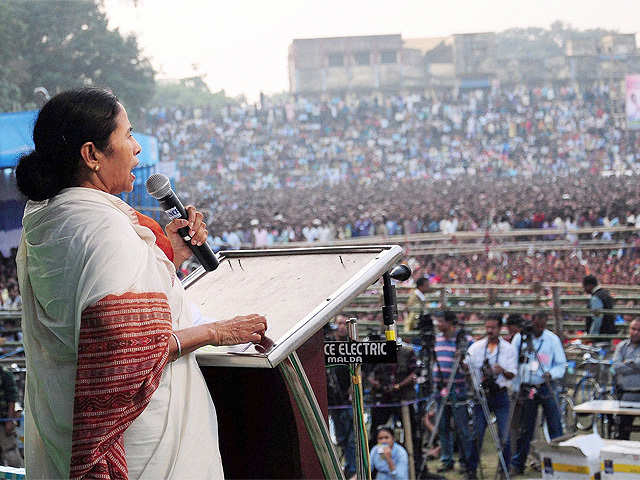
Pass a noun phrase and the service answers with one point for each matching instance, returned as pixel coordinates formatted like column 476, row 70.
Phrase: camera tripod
column 480, row 395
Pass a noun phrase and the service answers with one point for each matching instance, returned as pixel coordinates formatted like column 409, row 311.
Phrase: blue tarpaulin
column 16, row 131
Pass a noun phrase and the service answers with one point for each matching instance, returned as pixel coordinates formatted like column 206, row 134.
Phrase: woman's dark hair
column 65, row 123
column 385, row 429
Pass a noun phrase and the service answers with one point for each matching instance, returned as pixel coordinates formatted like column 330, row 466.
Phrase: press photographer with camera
column 495, row 361
column 541, row 361
column 451, row 345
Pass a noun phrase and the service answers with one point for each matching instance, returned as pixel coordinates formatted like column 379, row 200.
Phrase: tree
column 189, row 92
column 66, row 44
column 12, row 71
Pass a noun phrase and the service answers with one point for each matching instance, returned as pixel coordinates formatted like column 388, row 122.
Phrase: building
column 372, row 62
column 606, row 58
column 470, row 60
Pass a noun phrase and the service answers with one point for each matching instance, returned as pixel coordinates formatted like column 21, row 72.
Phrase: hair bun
column 36, row 179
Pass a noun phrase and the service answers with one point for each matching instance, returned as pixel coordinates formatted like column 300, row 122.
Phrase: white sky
column 242, row 45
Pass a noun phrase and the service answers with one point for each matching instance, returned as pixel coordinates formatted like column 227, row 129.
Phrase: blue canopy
column 16, row 131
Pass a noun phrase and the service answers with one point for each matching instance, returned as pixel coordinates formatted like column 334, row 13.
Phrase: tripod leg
column 475, row 382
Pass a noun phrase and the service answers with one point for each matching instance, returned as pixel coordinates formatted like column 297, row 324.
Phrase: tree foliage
column 65, row 44
column 189, row 92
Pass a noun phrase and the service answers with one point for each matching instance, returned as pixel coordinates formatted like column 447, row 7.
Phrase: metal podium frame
column 283, row 356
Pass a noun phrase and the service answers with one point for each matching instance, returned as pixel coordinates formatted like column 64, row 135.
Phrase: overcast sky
column 241, row 46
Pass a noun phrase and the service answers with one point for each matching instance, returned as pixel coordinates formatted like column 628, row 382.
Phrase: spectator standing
column 416, row 304
column 626, row 363
column 9, row 453
column 601, row 299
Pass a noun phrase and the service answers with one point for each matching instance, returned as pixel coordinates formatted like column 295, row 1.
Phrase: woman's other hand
column 240, row 329
column 197, row 232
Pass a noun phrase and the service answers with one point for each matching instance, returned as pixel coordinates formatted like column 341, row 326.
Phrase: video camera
column 427, row 333
column 489, row 383
column 527, row 327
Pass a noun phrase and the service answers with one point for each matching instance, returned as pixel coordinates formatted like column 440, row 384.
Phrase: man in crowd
column 451, row 344
column 626, row 363
column 416, row 304
column 494, row 362
column 338, row 392
column 9, row 453
column 541, row 361
column 601, row 299
column 513, row 323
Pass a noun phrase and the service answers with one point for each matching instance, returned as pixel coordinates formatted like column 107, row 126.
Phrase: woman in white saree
column 113, row 389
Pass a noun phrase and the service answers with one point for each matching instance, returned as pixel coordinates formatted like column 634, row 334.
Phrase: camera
column 527, row 327
column 427, row 334
column 489, row 383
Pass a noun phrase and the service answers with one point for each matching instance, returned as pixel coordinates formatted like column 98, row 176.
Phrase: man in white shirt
column 494, row 362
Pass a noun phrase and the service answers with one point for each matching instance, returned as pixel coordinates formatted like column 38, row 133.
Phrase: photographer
column 392, row 383
column 452, row 343
column 513, row 323
column 338, row 395
column 416, row 304
column 495, row 362
column 541, row 361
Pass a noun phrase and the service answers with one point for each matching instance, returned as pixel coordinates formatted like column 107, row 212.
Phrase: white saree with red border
column 100, row 300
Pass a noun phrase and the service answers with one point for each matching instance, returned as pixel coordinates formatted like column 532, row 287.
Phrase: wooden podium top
column 298, row 291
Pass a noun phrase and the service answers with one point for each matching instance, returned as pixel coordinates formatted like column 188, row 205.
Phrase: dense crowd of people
column 620, row 266
column 510, row 158
column 10, row 298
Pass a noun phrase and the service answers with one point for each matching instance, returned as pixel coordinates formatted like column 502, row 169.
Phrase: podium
column 270, row 403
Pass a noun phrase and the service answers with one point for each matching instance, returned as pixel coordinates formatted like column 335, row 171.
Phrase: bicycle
column 589, row 387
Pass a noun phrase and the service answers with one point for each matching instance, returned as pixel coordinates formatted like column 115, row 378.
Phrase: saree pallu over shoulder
column 100, row 299
column 121, row 355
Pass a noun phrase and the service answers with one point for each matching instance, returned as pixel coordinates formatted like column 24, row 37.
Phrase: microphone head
column 158, row 185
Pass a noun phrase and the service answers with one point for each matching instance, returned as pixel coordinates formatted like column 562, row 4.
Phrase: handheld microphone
column 159, row 188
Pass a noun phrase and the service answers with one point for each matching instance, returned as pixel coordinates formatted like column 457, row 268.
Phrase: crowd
column 10, row 298
column 449, row 373
column 510, row 158
column 619, row 266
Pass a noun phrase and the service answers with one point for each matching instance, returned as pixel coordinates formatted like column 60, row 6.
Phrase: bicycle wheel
column 567, row 417
column 586, row 390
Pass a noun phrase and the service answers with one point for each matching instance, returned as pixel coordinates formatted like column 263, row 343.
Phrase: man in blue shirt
column 541, row 361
